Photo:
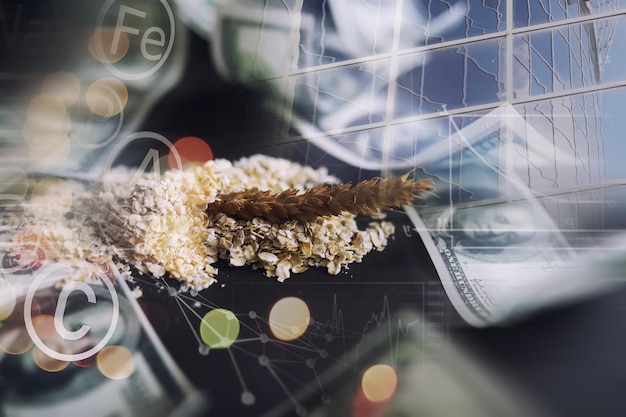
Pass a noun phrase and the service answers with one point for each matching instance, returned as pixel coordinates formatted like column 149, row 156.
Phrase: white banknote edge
column 586, row 275
column 444, row 275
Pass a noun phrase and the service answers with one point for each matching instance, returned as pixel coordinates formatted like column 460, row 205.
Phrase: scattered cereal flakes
column 268, row 258
column 159, row 224
column 332, row 242
column 137, row 293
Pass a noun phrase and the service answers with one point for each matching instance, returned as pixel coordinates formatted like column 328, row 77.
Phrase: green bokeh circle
column 219, row 328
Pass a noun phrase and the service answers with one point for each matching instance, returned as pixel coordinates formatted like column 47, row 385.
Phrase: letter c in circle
column 60, row 310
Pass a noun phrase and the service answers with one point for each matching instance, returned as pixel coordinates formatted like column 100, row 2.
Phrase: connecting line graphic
column 280, row 358
column 299, row 408
column 247, row 398
column 394, row 333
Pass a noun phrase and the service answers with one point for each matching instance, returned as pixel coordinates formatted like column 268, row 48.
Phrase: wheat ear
column 366, row 197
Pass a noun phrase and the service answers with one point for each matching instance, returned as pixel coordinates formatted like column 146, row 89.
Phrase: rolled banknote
column 500, row 262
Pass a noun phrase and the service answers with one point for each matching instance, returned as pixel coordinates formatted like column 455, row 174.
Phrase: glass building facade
column 490, row 98
column 354, row 76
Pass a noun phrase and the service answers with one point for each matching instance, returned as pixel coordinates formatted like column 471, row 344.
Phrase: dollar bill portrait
column 503, row 232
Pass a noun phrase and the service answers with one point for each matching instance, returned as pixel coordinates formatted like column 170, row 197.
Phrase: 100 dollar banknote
column 501, row 261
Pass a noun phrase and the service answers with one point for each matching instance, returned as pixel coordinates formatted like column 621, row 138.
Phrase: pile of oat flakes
column 159, row 224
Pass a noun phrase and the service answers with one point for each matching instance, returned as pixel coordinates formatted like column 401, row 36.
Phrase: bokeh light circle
column 116, row 362
column 14, row 339
column 379, row 382
column 45, row 132
column 107, row 97
column 219, row 328
column 47, row 124
column 48, row 363
column 63, row 84
column 101, row 42
column 52, row 154
column 190, row 149
column 289, row 318
column 47, row 106
column 43, row 325
column 8, row 299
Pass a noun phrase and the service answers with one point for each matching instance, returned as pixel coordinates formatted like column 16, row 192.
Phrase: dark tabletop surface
column 570, row 360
